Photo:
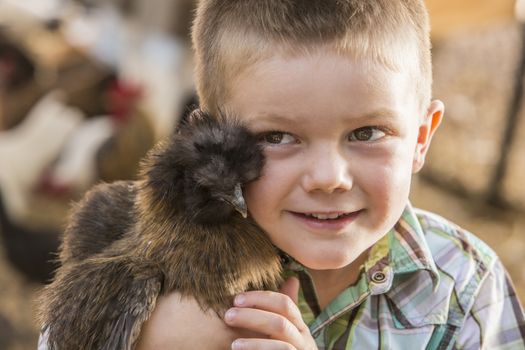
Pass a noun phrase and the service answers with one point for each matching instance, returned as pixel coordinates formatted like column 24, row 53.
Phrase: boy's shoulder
column 453, row 267
column 443, row 234
column 477, row 294
column 466, row 265
column 455, row 250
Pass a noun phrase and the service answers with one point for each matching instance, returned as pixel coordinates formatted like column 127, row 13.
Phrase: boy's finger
column 261, row 344
column 273, row 325
column 290, row 287
column 273, row 302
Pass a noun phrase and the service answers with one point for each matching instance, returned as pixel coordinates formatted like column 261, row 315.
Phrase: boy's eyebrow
column 381, row 113
column 267, row 120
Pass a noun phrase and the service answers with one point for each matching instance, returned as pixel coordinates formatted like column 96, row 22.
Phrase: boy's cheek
column 259, row 196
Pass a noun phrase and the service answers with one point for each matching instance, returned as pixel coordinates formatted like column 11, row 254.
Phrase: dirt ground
column 505, row 232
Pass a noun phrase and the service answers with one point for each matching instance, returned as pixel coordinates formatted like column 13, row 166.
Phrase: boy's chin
column 335, row 259
column 332, row 262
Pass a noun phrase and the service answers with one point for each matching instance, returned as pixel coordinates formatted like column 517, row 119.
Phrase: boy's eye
column 367, row 133
column 277, row 138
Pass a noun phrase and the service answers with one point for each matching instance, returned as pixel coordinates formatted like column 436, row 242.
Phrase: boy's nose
column 327, row 172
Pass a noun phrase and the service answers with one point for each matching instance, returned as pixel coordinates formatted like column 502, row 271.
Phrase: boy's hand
column 273, row 314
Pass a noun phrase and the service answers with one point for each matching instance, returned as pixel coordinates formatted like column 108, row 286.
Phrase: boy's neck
column 330, row 283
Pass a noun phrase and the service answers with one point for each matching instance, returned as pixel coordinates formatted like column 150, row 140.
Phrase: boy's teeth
column 325, row 216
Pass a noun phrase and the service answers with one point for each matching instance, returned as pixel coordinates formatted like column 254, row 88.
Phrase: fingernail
column 237, row 344
column 239, row 300
column 230, row 314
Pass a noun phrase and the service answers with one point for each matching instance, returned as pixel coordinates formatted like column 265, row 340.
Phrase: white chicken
column 75, row 168
column 26, row 150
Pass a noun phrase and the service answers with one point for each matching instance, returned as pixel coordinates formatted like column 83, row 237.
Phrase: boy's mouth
column 327, row 220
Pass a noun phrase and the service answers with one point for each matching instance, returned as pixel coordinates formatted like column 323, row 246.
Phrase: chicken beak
column 238, row 201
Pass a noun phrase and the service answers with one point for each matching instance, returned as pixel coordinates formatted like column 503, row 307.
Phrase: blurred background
column 88, row 86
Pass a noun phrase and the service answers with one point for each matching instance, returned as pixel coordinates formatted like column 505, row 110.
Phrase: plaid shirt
column 427, row 284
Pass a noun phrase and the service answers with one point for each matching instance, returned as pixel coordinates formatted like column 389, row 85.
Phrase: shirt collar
column 402, row 250
column 409, row 251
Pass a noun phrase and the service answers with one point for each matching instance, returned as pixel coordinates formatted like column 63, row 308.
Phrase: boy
column 339, row 92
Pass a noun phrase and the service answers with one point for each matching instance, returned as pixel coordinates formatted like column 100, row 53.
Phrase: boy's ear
column 427, row 129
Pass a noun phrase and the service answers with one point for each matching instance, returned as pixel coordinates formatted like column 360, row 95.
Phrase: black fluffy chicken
column 182, row 227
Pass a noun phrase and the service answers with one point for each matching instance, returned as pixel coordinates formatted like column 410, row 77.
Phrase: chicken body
column 176, row 229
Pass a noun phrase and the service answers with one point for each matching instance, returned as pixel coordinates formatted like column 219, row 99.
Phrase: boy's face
column 341, row 142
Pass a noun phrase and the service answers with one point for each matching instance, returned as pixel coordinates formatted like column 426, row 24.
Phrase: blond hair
column 231, row 35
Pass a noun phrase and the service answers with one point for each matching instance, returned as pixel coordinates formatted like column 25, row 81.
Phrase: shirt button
column 378, row 277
